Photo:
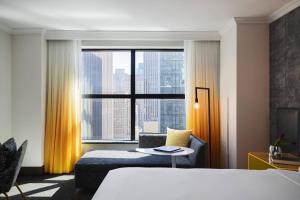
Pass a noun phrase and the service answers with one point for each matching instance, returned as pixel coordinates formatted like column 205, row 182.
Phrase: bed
column 195, row 184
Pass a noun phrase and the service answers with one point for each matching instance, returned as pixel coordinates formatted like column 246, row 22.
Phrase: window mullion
column 132, row 100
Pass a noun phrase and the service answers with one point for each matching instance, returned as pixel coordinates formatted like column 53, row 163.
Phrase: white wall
column 244, row 91
column 252, row 89
column 5, row 86
column 28, row 81
column 228, row 95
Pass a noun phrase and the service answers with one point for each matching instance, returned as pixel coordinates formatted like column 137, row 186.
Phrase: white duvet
column 198, row 184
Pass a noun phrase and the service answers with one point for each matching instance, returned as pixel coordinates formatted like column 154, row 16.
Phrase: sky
column 121, row 60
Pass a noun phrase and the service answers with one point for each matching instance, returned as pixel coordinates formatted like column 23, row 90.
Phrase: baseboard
column 29, row 171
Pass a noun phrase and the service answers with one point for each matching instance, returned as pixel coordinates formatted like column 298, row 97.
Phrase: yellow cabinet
column 260, row 161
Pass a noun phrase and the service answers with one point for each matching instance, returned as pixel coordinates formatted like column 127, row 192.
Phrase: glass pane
column 106, row 72
column 155, row 115
column 106, row 119
column 159, row 72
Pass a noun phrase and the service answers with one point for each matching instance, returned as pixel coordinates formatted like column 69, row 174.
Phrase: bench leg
column 173, row 160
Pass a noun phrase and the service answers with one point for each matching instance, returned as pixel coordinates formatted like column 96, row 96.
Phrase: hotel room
column 152, row 100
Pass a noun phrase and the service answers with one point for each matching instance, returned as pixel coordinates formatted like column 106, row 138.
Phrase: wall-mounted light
column 196, row 105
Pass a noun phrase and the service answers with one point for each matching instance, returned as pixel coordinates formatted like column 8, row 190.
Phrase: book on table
column 286, row 159
column 168, row 149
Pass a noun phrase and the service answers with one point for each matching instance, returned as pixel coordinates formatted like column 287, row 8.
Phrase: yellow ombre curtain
column 202, row 67
column 62, row 146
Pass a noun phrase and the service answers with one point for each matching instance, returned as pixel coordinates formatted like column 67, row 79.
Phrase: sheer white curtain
column 63, row 107
column 202, row 66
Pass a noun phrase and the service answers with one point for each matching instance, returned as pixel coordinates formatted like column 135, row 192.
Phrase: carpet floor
column 46, row 187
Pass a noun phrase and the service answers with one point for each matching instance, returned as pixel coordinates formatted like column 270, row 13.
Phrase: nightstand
column 260, row 161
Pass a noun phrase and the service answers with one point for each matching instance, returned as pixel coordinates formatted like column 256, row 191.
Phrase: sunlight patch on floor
column 28, row 187
column 61, row 178
column 47, row 193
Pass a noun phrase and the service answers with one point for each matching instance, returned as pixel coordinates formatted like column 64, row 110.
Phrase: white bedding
column 198, row 184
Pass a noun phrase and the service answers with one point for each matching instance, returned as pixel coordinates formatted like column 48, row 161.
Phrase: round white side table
column 186, row 151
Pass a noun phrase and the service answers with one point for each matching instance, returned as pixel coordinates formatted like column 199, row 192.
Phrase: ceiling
column 131, row 15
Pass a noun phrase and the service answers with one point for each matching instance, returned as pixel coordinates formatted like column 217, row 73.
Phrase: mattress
column 195, row 184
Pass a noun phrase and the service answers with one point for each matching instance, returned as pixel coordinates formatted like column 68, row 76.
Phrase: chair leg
column 6, row 196
column 22, row 194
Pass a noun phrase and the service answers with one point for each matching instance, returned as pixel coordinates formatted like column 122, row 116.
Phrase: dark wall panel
column 284, row 66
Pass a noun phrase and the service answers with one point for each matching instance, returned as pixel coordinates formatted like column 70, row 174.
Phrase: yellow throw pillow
column 178, row 137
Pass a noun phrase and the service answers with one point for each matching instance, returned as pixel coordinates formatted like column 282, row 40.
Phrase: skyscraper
column 92, row 110
column 110, row 118
column 172, row 112
column 160, row 73
column 106, row 80
column 97, row 79
column 121, row 107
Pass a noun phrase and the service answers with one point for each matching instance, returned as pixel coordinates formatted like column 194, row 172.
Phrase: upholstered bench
column 91, row 169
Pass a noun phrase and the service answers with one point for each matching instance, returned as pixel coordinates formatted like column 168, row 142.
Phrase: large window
column 130, row 91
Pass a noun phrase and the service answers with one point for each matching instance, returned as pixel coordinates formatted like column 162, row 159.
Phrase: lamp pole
column 209, row 120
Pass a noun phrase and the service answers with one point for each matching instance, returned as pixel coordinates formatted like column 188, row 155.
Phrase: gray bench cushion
column 101, row 160
column 91, row 169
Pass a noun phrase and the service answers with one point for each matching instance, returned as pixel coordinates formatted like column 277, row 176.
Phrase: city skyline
column 156, row 72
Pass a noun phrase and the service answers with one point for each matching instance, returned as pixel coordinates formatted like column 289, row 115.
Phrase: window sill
column 109, row 142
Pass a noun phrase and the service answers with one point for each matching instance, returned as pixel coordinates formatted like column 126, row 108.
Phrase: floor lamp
column 209, row 120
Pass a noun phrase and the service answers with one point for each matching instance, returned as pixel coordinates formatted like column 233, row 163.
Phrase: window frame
column 132, row 96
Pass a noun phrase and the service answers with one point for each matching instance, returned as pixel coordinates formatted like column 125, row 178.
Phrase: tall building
column 107, row 87
column 172, row 112
column 109, row 119
column 92, row 109
column 139, row 79
column 171, row 73
column 152, row 86
column 160, row 73
column 121, row 83
column 121, row 129
column 139, row 89
column 97, row 79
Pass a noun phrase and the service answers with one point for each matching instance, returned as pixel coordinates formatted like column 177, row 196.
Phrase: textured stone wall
column 284, row 65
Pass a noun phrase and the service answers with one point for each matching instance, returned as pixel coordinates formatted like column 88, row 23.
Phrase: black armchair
column 9, row 176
